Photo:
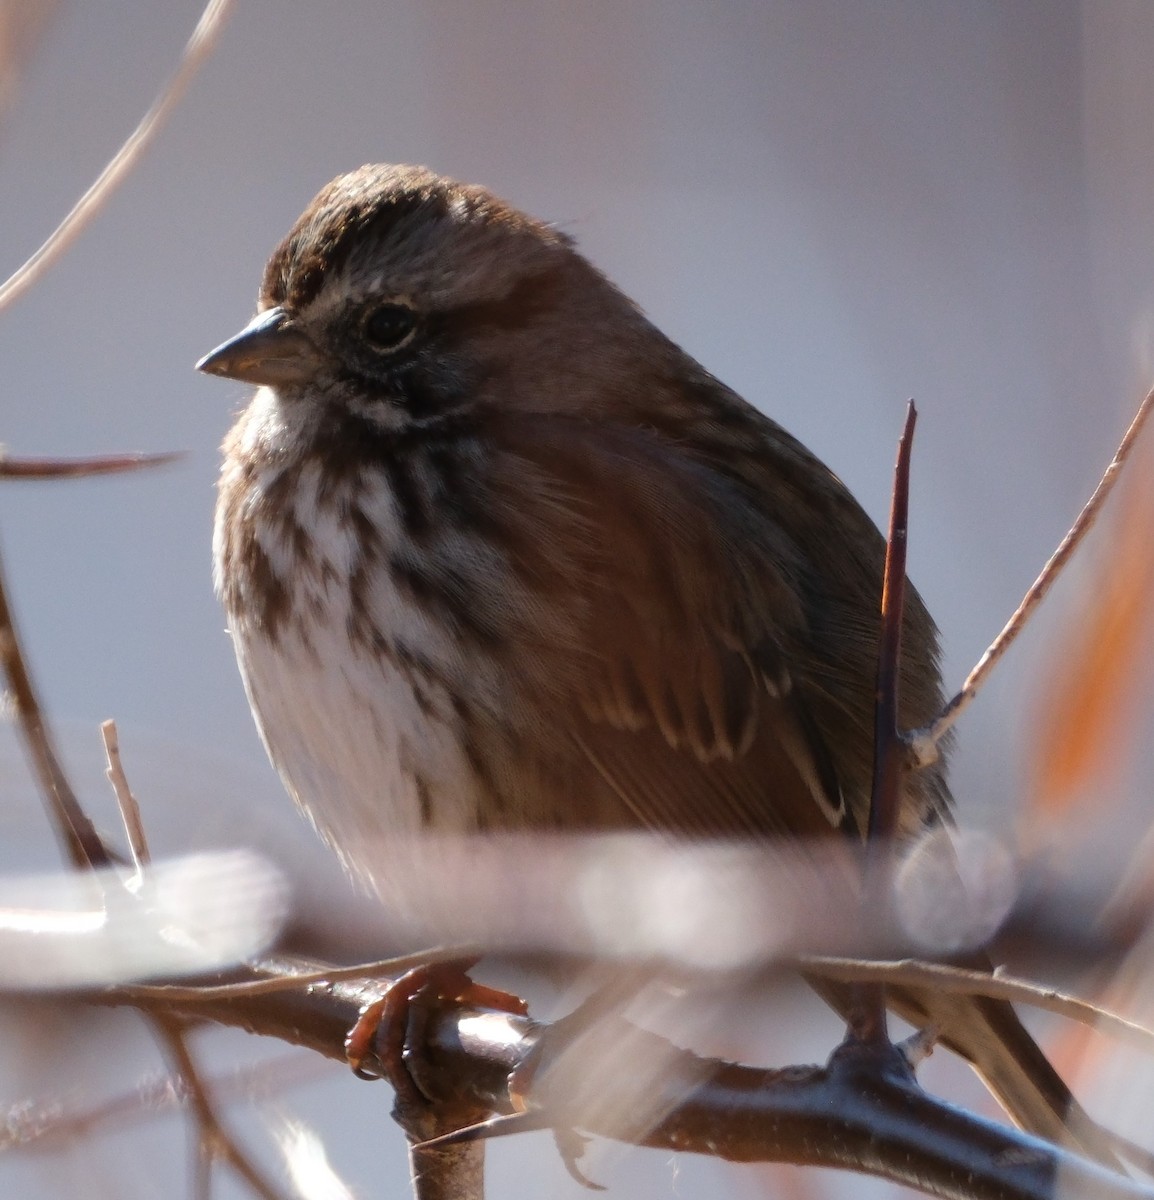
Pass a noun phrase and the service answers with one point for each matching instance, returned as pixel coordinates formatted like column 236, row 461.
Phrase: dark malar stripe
column 402, row 475
column 423, row 465
column 460, row 491
column 424, row 398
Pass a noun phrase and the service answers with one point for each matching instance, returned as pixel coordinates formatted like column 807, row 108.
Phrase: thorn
column 571, row 1146
column 919, row 1046
column 525, row 1122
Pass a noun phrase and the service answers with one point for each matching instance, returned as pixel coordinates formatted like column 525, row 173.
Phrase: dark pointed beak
column 268, row 350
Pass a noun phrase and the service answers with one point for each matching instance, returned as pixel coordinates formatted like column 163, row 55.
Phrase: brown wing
column 670, row 676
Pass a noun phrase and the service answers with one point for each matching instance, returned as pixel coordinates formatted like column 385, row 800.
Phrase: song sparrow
column 497, row 554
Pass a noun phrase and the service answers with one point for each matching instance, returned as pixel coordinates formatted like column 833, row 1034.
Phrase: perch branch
column 863, row 1111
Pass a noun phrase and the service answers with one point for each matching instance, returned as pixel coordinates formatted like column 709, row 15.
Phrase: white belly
column 354, row 747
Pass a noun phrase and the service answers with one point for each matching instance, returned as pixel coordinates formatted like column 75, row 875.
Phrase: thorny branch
column 862, row 1111
column 885, row 800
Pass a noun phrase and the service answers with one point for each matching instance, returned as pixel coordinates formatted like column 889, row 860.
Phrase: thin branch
column 82, row 843
column 213, row 1141
column 924, row 742
column 280, row 980
column 309, row 1008
column 79, row 468
column 51, row 1124
column 447, row 1172
column 125, row 800
column 996, row 986
column 197, row 50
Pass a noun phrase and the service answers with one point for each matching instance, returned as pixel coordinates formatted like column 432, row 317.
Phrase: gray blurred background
column 835, row 206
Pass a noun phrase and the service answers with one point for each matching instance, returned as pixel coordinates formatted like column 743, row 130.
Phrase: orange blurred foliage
column 1086, row 719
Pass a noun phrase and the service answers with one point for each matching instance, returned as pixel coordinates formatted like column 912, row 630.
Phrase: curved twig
column 199, row 47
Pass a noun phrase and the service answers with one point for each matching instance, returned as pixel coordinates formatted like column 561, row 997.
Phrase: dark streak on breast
column 444, row 589
column 264, row 589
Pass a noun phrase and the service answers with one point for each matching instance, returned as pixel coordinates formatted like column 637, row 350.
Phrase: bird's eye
column 389, row 326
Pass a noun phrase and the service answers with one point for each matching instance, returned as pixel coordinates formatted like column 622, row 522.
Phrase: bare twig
column 924, row 742
column 213, row 1142
column 53, row 1123
column 82, row 843
column 79, row 468
column 125, row 800
column 195, row 53
column 981, row 983
column 280, row 981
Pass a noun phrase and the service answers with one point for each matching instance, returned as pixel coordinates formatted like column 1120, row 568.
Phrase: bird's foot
column 388, row 1040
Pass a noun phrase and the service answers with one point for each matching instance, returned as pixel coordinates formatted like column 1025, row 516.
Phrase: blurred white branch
column 183, row 916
